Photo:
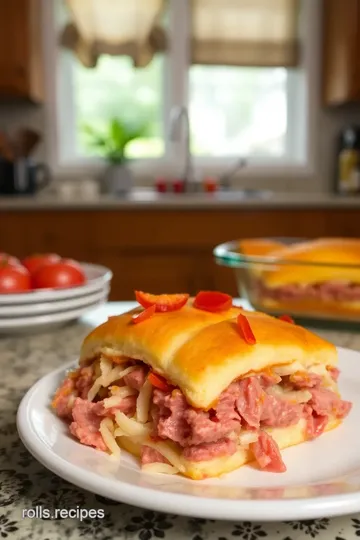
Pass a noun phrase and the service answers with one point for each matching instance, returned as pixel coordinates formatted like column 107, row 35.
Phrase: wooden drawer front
column 67, row 233
column 192, row 229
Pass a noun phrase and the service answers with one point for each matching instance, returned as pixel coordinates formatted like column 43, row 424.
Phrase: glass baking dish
column 314, row 279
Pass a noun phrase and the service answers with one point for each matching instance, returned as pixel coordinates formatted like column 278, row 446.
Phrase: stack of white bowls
column 43, row 309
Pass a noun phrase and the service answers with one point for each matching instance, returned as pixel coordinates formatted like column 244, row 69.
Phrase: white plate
column 56, row 306
column 323, row 476
column 97, row 277
column 30, row 324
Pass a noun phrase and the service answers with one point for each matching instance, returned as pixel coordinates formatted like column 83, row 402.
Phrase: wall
column 327, row 123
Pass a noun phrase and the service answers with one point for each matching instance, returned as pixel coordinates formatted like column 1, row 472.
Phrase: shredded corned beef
column 315, row 424
column 127, row 406
column 277, row 412
column 269, row 379
column 334, row 372
column 246, row 403
column 168, row 416
column 77, row 384
column 135, row 379
column 250, row 401
column 64, row 399
column 267, row 453
column 324, row 291
column 86, row 424
column 203, row 452
column 150, row 455
column 87, row 416
column 204, row 435
column 84, row 381
column 325, row 402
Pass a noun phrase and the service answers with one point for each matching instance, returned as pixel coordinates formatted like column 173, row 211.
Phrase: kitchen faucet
column 179, row 117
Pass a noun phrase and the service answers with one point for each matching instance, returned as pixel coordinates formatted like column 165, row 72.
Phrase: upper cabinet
column 341, row 51
column 21, row 67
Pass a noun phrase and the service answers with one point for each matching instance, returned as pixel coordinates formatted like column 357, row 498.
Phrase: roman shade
column 115, row 27
column 223, row 32
column 245, row 32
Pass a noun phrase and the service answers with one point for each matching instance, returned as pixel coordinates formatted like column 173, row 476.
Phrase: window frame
column 303, row 86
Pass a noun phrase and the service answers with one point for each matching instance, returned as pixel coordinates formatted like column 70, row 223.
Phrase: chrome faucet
column 179, row 118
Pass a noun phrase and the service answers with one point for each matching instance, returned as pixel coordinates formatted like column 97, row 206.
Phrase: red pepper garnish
column 287, row 318
column 143, row 315
column 162, row 302
column 213, row 301
column 159, row 382
column 245, row 328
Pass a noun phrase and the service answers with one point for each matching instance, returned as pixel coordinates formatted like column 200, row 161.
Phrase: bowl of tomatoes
column 48, row 288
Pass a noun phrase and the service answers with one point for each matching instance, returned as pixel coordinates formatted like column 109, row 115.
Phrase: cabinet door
column 341, row 51
column 13, row 47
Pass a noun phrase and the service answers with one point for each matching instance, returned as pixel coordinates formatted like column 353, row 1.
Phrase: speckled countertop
column 24, row 483
column 146, row 198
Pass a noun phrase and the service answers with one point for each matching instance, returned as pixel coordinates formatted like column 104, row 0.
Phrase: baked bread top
column 332, row 251
column 203, row 352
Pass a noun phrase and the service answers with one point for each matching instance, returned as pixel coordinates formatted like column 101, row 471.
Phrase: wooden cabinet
column 162, row 250
column 21, row 50
column 341, row 51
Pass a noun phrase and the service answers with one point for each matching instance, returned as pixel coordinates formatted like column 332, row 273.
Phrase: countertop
column 26, row 484
column 146, row 198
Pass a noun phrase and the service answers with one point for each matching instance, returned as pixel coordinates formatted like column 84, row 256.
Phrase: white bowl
column 97, row 277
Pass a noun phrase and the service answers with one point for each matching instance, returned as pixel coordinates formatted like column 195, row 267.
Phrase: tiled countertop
column 145, row 198
column 25, row 484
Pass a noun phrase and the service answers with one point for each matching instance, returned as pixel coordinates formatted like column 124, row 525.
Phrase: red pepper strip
column 245, row 328
column 213, row 301
column 162, row 302
column 287, row 318
column 146, row 314
column 159, row 382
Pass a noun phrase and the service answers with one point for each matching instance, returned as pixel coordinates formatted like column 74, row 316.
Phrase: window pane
column 238, row 111
column 116, row 89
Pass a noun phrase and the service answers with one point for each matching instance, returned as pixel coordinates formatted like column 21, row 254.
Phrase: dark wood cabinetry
column 21, row 50
column 341, row 51
column 162, row 250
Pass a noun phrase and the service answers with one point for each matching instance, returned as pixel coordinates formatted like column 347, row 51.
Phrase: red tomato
column 59, row 275
column 14, row 279
column 6, row 258
column 72, row 262
column 162, row 302
column 33, row 262
column 213, row 301
column 143, row 315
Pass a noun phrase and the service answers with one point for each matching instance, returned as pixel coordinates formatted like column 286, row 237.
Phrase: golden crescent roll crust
column 204, row 352
column 343, row 251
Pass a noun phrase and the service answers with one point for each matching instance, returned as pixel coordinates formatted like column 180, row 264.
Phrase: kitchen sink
column 243, row 194
column 147, row 194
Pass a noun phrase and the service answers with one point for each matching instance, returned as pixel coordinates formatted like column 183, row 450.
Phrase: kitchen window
column 260, row 113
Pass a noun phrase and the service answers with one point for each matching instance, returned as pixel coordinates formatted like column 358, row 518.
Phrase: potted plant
column 111, row 143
